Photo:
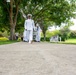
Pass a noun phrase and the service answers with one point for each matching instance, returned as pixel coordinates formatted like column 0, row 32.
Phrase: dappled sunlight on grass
column 71, row 41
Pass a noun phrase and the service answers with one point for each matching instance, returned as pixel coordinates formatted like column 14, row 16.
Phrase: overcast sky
column 71, row 27
column 74, row 26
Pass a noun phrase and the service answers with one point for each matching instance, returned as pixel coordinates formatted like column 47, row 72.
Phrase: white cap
column 29, row 15
column 37, row 24
column 7, row 0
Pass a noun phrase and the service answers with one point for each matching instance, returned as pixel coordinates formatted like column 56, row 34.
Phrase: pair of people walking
column 29, row 27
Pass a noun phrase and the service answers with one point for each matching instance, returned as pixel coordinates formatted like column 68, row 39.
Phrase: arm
column 24, row 16
column 23, row 13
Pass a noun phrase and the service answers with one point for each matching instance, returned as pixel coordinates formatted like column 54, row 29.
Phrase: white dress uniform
column 29, row 26
column 25, row 36
column 38, row 33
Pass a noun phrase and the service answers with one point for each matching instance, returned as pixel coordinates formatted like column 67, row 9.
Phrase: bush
column 3, row 38
column 52, row 33
column 73, row 34
column 4, row 34
column 64, row 34
column 47, row 38
column 1, row 35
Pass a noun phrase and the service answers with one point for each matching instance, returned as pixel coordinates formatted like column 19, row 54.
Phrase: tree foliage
column 64, row 33
column 44, row 12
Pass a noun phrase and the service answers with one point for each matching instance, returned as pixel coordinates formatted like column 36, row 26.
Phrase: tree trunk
column 44, row 37
column 13, row 20
column 44, row 34
column 12, row 33
column 12, row 29
column 43, row 28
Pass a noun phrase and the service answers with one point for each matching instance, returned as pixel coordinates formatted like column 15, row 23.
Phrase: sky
column 74, row 26
column 71, row 27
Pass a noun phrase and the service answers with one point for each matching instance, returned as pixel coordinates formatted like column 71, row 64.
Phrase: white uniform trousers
column 25, row 36
column 38, row 36
column 30, row 35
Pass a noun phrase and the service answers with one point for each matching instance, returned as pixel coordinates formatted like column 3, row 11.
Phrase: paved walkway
column 37, row 59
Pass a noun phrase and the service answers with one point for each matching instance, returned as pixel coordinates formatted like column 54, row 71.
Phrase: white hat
column 29, row 15
column 37, row 24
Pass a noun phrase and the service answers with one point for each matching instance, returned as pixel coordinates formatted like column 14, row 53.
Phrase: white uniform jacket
column 29, row 24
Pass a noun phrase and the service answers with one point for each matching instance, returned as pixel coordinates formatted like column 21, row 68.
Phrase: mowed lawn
column 4, row 40
column 71, row 41
column 7, row 42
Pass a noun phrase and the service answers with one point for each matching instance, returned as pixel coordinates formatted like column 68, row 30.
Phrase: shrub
column 47, row 38
column 52, row 33
column 64, row 34
column 1, row 35
column 3, row 38
column 4, row 34
column 73, row 34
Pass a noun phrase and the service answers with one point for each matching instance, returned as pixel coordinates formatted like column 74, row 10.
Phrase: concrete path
column 37, row 59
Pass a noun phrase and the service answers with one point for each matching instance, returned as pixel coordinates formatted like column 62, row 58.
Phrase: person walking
column 38, row 33
column 29, row 27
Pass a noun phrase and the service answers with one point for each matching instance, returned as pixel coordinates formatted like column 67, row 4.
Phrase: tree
column 43, row 11
column 64, row 33
column 57, row 12
column 11, row 10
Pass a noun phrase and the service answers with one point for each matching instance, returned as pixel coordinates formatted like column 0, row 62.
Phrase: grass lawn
column 7, row 42
column 70, row 41
column 4, row 40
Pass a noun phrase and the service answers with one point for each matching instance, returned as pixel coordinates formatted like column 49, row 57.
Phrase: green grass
column 71, row 41
column 7, row 42
column 4, row 40
column 68, row 41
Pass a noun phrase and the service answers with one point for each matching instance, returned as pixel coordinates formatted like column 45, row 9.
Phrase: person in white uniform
column 29, row 26
column 38, row 33
column 25, row 36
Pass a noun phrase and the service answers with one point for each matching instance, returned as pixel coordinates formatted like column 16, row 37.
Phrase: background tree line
column 45, row 12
